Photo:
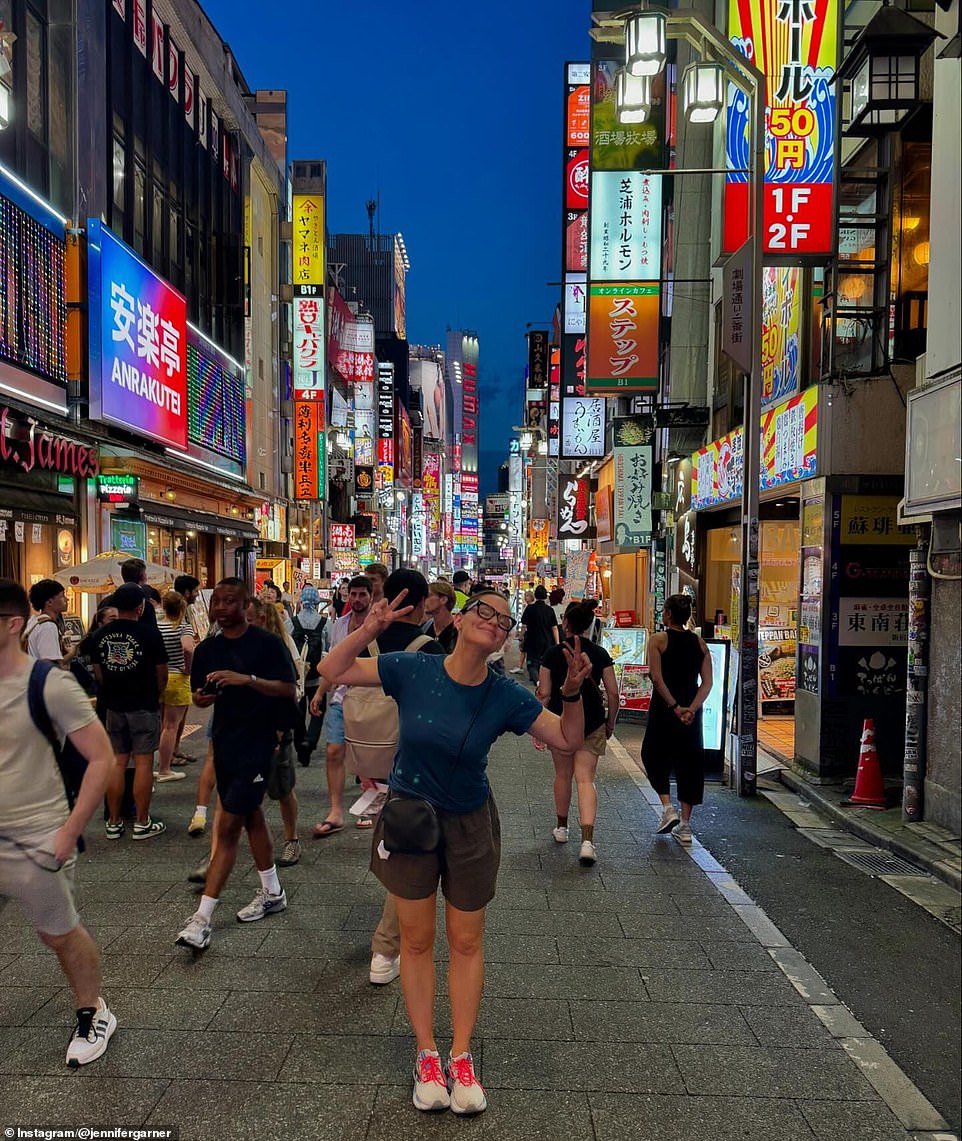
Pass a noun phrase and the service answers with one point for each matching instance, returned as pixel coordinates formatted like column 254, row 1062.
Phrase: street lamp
column 646, row 50
column 880, row 74
column 644, row 34
column 632, row 97
column 703, row 92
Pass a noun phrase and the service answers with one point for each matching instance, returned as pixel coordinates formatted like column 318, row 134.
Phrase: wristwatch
column 253, row 678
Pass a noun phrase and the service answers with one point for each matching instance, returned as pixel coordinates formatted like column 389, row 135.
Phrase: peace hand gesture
column 579, row 668
column 383, row 613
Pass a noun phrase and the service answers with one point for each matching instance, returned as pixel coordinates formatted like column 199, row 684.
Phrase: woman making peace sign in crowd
column 452, row 709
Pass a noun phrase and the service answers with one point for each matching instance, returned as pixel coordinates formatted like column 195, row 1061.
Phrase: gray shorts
column 134, row 732
column 27, row 875
column 466, row 864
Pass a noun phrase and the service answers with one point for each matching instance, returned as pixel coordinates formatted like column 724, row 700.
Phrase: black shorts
column 466, row 862
column 242, row 784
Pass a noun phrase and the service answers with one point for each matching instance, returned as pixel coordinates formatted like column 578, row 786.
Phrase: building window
column 140, row 205
column 36, row 78
column 119, row 178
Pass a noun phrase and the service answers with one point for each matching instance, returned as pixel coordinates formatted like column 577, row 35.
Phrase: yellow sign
column 307, row 223
column 538, row 539
column 872, row 519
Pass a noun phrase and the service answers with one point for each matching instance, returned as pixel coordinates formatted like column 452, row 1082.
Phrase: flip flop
column 326, row 828
column 364, row 822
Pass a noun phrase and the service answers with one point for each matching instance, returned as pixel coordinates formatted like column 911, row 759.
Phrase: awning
column 26, row 505
column 212, row 524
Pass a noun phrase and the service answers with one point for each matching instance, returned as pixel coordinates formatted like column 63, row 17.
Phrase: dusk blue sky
column 453, row 113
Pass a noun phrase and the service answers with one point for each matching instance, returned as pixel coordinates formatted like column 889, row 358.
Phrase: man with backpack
column 39, row 826
column 42, row 634
column 312, row 637
column 371, row 735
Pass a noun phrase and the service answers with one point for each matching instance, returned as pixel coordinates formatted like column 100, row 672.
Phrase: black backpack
column 315, row 644
column 71, row 762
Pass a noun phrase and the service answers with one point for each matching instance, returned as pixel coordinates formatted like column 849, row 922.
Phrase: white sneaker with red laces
column 430, row 1087
column 467, row 1093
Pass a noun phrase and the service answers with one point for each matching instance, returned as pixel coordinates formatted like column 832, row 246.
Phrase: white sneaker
column 588, row 856
column 467, row 1093
column 669, row 820
column 683, row 834
column 196, row 934
column 197, row 825
column 262, row 904
column 89, row 1041
column 384, row 969
column 430, row 1084
column 163, row 778
column 560, row 835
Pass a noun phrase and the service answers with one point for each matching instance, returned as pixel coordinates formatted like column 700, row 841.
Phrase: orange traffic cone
column 869, row 786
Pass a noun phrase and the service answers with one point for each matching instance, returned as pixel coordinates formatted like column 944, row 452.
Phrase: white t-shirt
column 339, row 631
column 32, row 797
column 43, row 638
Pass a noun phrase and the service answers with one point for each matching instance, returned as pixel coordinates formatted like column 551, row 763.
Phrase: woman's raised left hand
column 383, row 613
column 579, row 668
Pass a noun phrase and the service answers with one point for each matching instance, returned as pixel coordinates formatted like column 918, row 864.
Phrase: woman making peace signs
column 452, row 710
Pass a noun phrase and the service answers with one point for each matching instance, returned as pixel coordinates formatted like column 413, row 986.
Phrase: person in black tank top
column 681, row 675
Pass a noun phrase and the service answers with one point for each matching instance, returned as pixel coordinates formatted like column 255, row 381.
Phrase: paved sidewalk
column 646, row 997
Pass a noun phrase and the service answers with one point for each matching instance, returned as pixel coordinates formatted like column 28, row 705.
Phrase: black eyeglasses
column 505, row 621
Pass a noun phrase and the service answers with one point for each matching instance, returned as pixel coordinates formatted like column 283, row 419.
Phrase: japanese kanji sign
column 308, row 363
column 795, row 44
column 625, row 226
column 573, row 500
column 633, row 461
column 342, row 536
column 307, row 251
column 138, row 342
column 309, row 449
column 538, row 359
column 583, row 427
column 623, row 337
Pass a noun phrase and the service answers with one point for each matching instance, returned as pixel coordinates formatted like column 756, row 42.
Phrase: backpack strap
column 373, row 649
column 36, row 704
column 41, row 719
column 418, row 642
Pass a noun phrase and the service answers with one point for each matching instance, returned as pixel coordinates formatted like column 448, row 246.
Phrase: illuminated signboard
column 625, row 226
column 216, row 403
column 795, row 44
column 309, row 454
column 308, row 361
column 385, row 425
column 781, row 333
column 138, row 342
column 33, row 307
column 308, row 248
column 623, row 325
column 118, row 488
column 789, row 446
column 576, row 180
column 583, row 427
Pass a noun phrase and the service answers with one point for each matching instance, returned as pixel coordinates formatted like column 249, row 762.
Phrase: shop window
column 911, row 250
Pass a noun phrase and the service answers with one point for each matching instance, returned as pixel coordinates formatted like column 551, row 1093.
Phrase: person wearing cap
column 130, row 661
column 462, row 588
column 135, row 571
column 42, row 634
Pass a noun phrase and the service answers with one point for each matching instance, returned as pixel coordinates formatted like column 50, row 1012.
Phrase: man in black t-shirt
column 130, row 662
column 247, row 675
column 540, row 632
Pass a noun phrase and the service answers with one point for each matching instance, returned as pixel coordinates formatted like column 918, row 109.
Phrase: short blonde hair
column 175, row 606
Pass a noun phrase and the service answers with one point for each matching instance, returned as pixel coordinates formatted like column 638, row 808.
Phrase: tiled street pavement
column 643, row 998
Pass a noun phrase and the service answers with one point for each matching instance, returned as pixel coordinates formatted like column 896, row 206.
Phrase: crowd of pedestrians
column 408, row 681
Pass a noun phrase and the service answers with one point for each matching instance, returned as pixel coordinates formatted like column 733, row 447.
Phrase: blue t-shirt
column 446, row 728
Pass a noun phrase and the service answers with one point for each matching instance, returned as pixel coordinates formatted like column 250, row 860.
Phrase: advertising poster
column 537, row 540
column 796, row 46
column 576, row 573
column 781, row 333
column 776, row 663
column 623, row 323
column 138, row 342
column 364, row 427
